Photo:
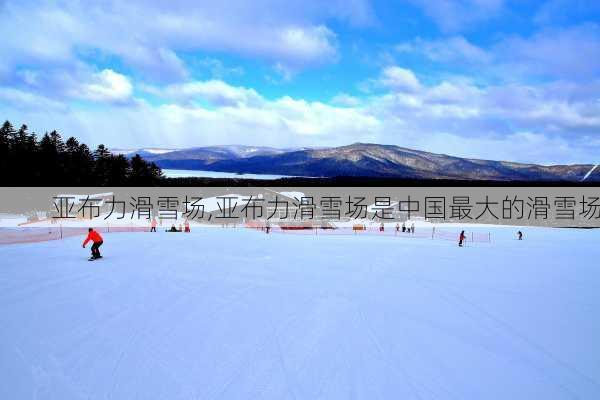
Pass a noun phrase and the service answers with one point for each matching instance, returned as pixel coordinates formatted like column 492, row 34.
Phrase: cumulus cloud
column 554, row 122
column 204, row 113
column 27, row 101
column 148, row 35
column 571, row 53
column 399, row 79
column 216, row 92
column 568, row 53
column 105, row 86
column 346, row 100
column 513, row 120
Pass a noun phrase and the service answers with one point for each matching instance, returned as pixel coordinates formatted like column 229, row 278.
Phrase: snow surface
column 238, row 314
column 196, row 173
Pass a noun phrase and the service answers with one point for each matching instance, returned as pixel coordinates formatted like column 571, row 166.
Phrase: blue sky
column 499, row 79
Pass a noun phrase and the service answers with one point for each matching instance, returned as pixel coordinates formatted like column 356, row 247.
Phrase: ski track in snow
column 229, row 314
column 590, row 172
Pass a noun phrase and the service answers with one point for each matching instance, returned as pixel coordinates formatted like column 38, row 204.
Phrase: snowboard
column 94, row 258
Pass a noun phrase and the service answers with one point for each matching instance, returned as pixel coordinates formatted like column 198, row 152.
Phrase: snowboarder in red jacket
column 97, row 242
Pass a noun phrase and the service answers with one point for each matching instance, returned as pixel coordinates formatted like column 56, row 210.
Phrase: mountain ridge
column 364, row 160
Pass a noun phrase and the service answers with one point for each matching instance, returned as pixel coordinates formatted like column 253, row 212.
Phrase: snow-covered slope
column 237, row 314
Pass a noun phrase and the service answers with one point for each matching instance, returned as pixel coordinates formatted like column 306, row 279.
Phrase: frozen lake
column 237, row 314
column 184, row 173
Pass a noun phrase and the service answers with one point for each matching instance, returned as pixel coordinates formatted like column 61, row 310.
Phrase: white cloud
column 345, row 100
column 148, row 35
column 399, row 79
column 309, row 43
column 105, row 86
column 218, row 70
column 557, row 122
column 216, row 92
column 27, row 101
column 571, row 53
column 452, row 49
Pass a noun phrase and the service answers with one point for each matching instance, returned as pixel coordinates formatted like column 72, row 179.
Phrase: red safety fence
column 361, row 229
column 40, row 234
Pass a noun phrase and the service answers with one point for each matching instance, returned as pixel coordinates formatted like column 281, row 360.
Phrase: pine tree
column 102, row 165
column 142, row 173
column 85, row 166
column 119, row 170
column 6, row 132
column 52, row 162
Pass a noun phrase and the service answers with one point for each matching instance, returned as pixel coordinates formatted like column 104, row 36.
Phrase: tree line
column 26, row 160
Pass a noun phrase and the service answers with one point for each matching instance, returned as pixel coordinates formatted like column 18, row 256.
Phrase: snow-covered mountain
column 146, row 151
column 362, row 160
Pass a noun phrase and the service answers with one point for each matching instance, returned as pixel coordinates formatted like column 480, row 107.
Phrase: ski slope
column 238, row 314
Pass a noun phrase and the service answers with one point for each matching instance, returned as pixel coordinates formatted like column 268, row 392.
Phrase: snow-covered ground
column 238, row 314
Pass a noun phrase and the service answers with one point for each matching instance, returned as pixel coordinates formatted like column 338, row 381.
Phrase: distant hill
column 362, row 160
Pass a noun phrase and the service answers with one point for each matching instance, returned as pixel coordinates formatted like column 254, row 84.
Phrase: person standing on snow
column 153, row 225
column 520, row 235
column 97, row 242
column 412, row 228
column 461, row 239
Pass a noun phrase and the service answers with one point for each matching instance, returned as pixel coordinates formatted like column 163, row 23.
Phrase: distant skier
column 403, row 227
column 412, row 228
column 461, row 238
column 520, row 235
column 397, row 227
column 97, row 242
column 186, row 226
column 153, row 225
column 381, row 227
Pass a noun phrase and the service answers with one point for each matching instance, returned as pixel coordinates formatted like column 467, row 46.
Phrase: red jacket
column 94, row 237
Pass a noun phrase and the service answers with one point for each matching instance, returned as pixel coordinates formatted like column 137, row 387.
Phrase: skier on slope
column 97, row 242
column 461, row 239
column 153, row 225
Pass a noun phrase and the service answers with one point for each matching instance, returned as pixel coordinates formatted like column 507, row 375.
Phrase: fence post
column 489, row 237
